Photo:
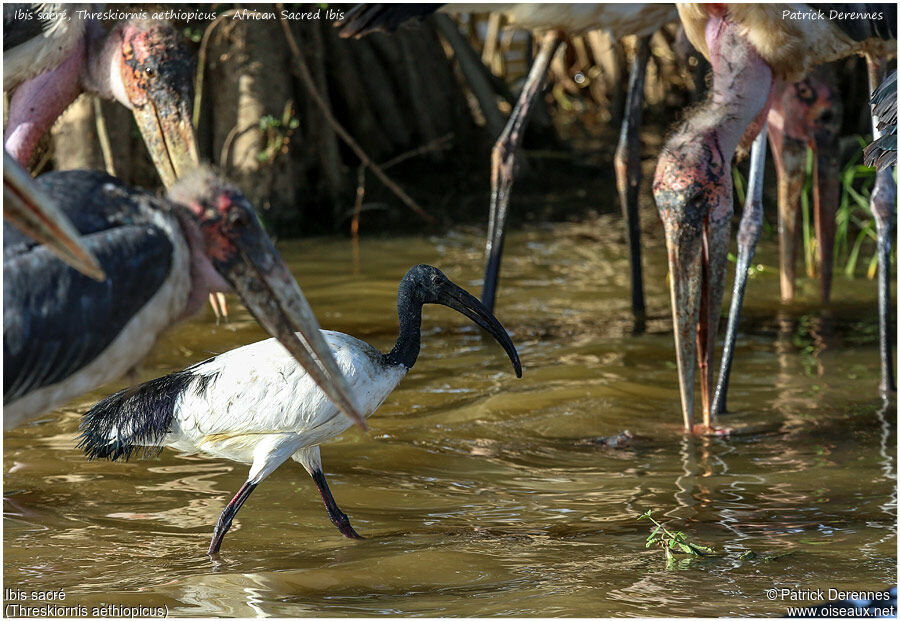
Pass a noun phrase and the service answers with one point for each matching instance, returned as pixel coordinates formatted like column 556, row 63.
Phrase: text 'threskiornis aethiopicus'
column 65, row 334
column 256, row 405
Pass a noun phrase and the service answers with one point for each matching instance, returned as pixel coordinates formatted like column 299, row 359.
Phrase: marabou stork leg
column 747, row 238
column 503, row 165
column 790, row 168
column 227, row 516
column 628, row 173
column 826, row 196
column 883, row 203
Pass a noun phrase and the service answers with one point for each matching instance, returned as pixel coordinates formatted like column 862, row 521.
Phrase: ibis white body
column 257, row 405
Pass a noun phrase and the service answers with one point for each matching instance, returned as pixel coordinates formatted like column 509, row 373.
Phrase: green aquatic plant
column 674, row 543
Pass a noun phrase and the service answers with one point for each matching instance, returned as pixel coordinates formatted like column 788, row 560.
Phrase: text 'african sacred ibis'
column 255, row 405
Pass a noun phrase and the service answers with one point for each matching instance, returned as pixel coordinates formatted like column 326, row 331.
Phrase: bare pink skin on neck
column 38, row 102
column 204, row 277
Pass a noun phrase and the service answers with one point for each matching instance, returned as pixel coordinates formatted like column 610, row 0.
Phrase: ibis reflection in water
column 256, row 405
column 65, row 334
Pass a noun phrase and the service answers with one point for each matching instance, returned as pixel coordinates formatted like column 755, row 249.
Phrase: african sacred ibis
column 619, row 19
column 65, row 334
column 749, row 47
column 53, row 52
column 255, row 405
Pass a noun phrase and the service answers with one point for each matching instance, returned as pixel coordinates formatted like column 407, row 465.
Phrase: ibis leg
column 883, row 203
column 628, row 171
column 503, row 165
column 338, row 517
column 227, row 516
column 748, row 236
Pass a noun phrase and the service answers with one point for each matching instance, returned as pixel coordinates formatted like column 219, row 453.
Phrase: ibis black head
column 424, row 284
column 240, row 252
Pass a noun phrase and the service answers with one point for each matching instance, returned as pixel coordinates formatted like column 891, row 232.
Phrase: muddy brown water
column 480, row 494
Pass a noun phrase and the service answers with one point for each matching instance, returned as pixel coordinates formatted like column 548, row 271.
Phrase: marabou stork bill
column 255, row 405
column 142, row 64
column 27, row 207
column 65, row 334
column 749, row 47
column 619, row 19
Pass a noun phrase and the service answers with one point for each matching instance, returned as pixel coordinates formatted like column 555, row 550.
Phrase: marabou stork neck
column 749, row 46
column 552, row 20
column 256, row 405
column 65, row 334
column 142, row 64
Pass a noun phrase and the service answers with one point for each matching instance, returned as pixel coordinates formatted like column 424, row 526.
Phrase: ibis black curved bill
column 461, row 301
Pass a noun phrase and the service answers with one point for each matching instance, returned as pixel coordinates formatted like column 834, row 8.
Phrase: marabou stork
column 749, row 46
column 65, row 334
column 52, row 53
column 27, row 207
column 255, row 405
column 552, row 20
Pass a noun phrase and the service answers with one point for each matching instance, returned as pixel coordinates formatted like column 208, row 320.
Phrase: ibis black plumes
column 142, row 64
column 65, row 334
column 256, row 405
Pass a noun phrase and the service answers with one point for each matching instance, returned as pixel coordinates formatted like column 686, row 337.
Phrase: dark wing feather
column 21, row 23
column 365, row 18
column 55, row 319
column 882, row 153
column 138, row 417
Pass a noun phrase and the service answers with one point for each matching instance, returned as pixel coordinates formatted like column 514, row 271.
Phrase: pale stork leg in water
column 503, row 164
column 883, row 203
column 628, row 173
column 627, row 166
column 747, row 238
